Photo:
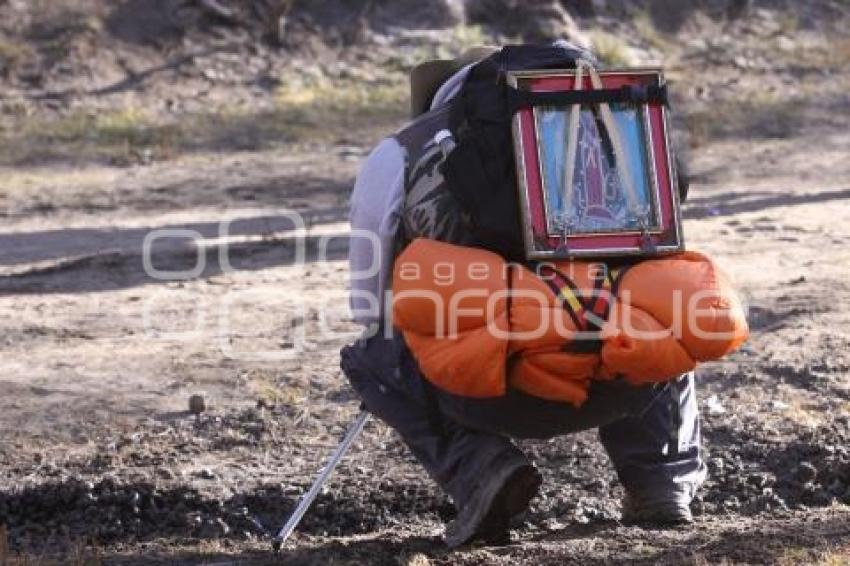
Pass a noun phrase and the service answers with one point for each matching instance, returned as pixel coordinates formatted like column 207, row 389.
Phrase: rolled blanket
column 477, row 324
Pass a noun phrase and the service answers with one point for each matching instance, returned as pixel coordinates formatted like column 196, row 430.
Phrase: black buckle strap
column 633, row 94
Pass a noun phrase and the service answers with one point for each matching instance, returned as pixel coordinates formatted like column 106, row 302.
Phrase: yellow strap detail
column 612, row 276
column 568, row 295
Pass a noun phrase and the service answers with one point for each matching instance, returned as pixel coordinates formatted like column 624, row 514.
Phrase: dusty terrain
column 112, row 130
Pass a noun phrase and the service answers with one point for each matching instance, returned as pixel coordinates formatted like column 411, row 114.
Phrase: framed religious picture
column 596, row 176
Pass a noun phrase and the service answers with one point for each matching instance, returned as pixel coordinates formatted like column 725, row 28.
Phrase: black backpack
column 467, row 194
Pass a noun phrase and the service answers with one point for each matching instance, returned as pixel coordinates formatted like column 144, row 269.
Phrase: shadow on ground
column 90, row 260
column 728, row 204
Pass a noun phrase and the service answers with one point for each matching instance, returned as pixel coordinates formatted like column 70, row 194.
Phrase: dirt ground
column 103, row 463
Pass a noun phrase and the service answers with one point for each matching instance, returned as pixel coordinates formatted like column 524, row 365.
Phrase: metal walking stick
column 351, row 435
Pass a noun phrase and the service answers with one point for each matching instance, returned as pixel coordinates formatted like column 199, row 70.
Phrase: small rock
column 540, row 21
column 770, row 500
column 805, row 472
column 713, row 406
column 837, row 487
column 165, row 473
column 193, row 520
column 223, row 527
column 779, row 405
column 215, row 528
column 205, row 473
column 742, row 62
column 759, row 480
column 197, row 404
column 418, row 559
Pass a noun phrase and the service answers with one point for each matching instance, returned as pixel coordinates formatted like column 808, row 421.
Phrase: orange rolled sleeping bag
column 671, row 313
column 476, row 324
column 437, row 289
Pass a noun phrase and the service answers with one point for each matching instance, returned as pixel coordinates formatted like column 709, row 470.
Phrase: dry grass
column 838, row 53
column 789, row 22
column 834, row 56
column 115, row 137
column 647, row 31
column 358, row 93
column 77, row 555
column 80, row 556
column 272, row 391
column 13, row 54
column 759, row 116
column 805, row 415
column 304, row 109
column 611, row 50
column 451, row 43
column 838, row 556
column 321, row 111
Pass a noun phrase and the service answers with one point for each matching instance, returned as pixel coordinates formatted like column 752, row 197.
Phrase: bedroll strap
column 588, row 309
column 633, row 94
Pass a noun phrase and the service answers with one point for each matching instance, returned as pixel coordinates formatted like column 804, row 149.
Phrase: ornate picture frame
column 623, row 199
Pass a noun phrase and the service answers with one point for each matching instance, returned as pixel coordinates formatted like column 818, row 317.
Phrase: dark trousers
column 651, row 433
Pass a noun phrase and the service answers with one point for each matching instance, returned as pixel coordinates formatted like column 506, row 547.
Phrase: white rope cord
column 572, row 150
column 623, row 167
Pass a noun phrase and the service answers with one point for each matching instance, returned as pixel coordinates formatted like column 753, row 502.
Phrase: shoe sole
column 659, row 515
column 518, row 489
column 657, row 522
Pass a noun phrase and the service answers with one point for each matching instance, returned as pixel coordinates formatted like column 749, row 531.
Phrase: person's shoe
column 506, row 491
column 656, row 513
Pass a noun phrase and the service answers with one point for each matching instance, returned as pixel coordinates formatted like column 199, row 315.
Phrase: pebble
column 418, row 559
column 214, row 528
column 837, row 487
column 759, row 480
column 165, row 473
column 716, row 464
column 714, row 407
column 805, row 472
column 205, row 474
column 785, row 43
column 193, row 520
column 197, row 404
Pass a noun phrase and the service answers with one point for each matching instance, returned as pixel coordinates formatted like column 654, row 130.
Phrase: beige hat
column 426, row 78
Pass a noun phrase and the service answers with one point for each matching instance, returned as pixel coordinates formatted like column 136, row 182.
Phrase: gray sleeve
column 376, row 205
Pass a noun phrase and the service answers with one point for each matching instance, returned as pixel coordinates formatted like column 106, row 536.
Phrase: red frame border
column 538, row 242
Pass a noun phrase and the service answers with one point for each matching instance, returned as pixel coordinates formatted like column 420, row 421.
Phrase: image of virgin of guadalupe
column 600, row 203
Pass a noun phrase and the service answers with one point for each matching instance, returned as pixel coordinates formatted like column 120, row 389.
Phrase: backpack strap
column 630, row 94
column 588, row 309
column 414, row 138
